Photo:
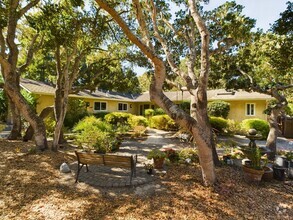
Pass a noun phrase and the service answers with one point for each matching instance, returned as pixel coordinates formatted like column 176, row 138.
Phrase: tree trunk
column 37, row 124
column 16, row 122
column 30, row 131
column 273, row 134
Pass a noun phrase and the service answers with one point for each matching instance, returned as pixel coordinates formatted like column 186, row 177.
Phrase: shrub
column 135, row 120
column 100, row 115
column 156, row 154
column 50, row 125
column 218, row 109
column 139, row 131
column 117, row 117
column 260, row 125
column 3, row 106
column 218, row 123
column 234, row 127
column 149, row 112
column 172, row 155
column 159, row 111
column 76, row 111
column 96, row 134
column 188, row 153
column 90, row 122
column 162, row 122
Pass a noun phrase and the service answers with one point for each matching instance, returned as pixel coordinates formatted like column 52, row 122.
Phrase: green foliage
column 189, row 153
column 156, row 154
column 260, row 125
column 50, row 125
column 185, row 106
column 218, row 109
column 289, row 109
column 30, row 98
column 254, row 155
column 3, row 106
column 234, row 127
column 172, row 155
column 101, row 115
column 284, row 25
column 139, row 131
column 135, row 120
column 76, row 110
column 162, row 122
column 289, row 155
column 115, row 118
column 159, row 111
column 149, row 112
column 96, row 134
column 218, row 123
column 91, row 121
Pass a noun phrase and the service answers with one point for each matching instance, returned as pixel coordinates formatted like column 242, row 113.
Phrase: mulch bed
column 33, row 188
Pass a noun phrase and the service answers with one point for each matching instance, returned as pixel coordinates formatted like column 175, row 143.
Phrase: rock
column 64, row 168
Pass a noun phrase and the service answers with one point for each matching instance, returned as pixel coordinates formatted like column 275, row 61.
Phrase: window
column 100, row 106
column 122, row 107
column 250, row 109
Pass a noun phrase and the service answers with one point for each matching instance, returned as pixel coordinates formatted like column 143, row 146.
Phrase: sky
column 265, row 12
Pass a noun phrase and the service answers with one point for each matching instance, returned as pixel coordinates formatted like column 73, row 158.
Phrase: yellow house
column 243, row 104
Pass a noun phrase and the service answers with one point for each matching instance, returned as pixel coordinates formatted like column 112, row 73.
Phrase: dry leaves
column 31, row 188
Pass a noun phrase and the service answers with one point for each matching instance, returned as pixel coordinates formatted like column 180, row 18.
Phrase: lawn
column 33, row 188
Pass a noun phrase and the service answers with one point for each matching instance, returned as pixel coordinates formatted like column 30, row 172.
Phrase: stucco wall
column 44, row 101
column 238, row 110
column 112, row 106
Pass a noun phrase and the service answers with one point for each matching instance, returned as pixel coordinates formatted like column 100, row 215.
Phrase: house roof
column 42, row 88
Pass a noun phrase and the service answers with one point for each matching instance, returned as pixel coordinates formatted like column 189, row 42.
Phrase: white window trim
column 100, row 110
column 254, row 107
column 123, row 103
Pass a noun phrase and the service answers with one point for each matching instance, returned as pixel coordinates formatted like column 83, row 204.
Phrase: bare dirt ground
column 33, row 188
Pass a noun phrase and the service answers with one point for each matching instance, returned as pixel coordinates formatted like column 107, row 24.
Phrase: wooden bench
column 86, row 158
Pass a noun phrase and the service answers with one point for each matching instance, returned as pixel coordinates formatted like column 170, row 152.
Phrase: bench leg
column 78, row 171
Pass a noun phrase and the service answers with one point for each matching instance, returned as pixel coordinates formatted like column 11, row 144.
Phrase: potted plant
column 289, row 163
column 158, row 157
column 253, row 171
column 149, row 168
column 237, row 156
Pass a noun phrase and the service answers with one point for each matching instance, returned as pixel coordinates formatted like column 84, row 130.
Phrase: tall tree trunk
column 273, row 134
column 16, row 122
column 61, row 103
column 21, row 104
column 29, row 133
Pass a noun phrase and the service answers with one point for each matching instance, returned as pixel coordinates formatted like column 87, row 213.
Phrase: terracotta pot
column 252, row 175
column 268, row 174
column 158, row 163
column 279, row 173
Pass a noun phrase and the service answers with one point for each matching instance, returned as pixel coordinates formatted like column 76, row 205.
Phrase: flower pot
column 150, row 171
column 279, row 173
column 237, row 162
column 290, row 173
column 288, row 164
column 268, row 174
column 280, row 161
column 227, row 159
column 252, row 175
column 158, row 163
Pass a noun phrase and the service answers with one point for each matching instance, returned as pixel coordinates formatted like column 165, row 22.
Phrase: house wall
column 112, row 106
column 238, row 110
column 44, row 101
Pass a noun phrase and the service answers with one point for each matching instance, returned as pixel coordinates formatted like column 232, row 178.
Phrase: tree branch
column 32, row 49
column 205, row 39
column 142, row 24
column 27, row 7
